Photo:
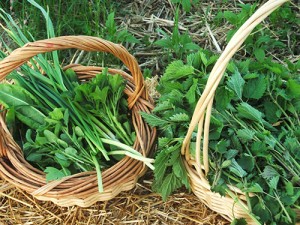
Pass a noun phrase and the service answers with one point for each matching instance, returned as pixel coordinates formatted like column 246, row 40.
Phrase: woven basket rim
column 82, row 188
column 198, row 170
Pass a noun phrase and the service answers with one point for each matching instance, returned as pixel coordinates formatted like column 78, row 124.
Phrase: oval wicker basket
column 233, row 205
column 80, row 189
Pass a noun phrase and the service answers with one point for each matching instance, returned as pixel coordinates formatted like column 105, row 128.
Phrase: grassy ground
column 138, row 25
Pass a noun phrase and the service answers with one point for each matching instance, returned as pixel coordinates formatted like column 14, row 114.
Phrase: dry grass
column 139, row 206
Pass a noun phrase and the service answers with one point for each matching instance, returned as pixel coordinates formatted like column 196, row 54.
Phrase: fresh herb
column 254, row 132
column 69, row 125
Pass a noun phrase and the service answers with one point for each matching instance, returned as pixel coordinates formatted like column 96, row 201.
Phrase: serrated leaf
column 169, row 185
column 180, row 117
column 236, row 83
column 255, row 188
column 245, row 134
column 273, row 182
column 259, row 54
column 191, row 93
column 153, row 120
column 160, row 165
column 247, row 111
column 269, row 172
column 223, row 97
column 162, row 106
column 177, row 70
column 255, row 88
column 293, row 88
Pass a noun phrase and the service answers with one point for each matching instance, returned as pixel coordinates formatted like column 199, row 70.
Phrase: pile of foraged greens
column 66, row 126
column 254, row 132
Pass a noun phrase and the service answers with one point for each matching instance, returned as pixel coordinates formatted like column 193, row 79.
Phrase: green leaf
column 237, row 169
column 293, row 88
column 180, row 117
column 220, row 187
column 271, row 112
column 166, row 43
column 177, row 70
column 170, row 184
column 160, row 165
column 17, row 97
column 153, row 120
column 255, row 88
column 240, row 221
column 191, row 93
column 247, row 111
column 269, row 172
column 255, row 188
column 53, row 174
column 223, row 97
column 245, row 134
column 247, row 162
column 259, row 54
column 236, row 83
column 163, row 106
column 56, row 114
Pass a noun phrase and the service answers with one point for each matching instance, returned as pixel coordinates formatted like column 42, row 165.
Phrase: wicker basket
column 233, row 205
column 82, row 188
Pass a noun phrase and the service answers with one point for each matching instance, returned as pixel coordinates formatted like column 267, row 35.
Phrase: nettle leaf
column 273, row 182
column 259, row 54
column 241, row 221
column 220, row 187
column 293, row 88
column 191, row 93
column 255, row 188
column 245, row 134
column 269, row 172
column 177, row 70
column 255, row 88
column 247, row 111
column 223, row 97
column 162, row 106
column 180, row 117
column 170, row 184
column 236, row 83
column 237, row 169
column 247, row 162
column 160, row 165
column 271, row 112
column 153, row 120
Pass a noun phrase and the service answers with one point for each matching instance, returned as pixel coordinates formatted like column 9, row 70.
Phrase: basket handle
column 202, row 112
column 87, row 43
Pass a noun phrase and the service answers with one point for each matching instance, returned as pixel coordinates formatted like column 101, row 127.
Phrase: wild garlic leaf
column 236, row 83
column 255, row 88
column 249, row 112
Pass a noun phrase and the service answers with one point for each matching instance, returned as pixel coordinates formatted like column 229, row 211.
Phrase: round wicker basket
column 233, row 205
column 80, row 189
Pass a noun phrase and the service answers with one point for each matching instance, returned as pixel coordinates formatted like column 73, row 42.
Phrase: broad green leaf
column 153, row 120
column 269, row 172
column 236, row 83
column 169, row 185
column 259, row 54
column 247, row 111
column 293, row 88
column 53, row 174
column 237, row 169
column 255, row 88
column 177, row 70
column 245, row 134
column 247, row 162
column 255, row 188
column 180, row 117
column 223, row 97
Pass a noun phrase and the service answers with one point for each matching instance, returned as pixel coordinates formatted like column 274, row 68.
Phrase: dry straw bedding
column 139, row 206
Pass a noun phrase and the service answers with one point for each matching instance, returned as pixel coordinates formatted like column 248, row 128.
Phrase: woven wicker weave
column 227, row 206
column 82, row 188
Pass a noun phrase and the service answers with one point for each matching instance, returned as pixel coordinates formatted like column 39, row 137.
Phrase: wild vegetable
column 254, row 132
column 66, row 125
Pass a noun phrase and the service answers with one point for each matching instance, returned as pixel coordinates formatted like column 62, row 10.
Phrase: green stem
column 99, row 174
